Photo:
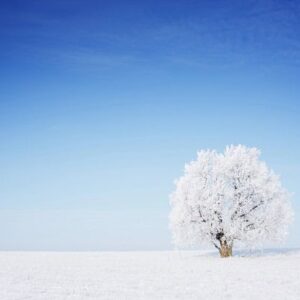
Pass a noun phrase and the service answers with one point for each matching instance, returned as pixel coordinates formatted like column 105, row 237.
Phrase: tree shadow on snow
column 255, row 252
column 266, row 252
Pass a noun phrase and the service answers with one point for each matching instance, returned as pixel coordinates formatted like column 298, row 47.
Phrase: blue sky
column 102, row 103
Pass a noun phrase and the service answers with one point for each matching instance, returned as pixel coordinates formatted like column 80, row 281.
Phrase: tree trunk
column 225, row 249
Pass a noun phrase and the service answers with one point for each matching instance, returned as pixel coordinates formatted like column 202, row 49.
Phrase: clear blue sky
column 102, row 103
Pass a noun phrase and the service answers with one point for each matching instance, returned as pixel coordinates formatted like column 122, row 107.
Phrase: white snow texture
column 147, row 275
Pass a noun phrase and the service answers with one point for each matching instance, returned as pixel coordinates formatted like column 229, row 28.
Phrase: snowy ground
column 148, row 275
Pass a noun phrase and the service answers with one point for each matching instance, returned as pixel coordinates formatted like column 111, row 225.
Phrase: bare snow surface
column 148, row 275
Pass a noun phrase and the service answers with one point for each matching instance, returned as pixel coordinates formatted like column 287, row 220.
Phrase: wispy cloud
column 234, row 34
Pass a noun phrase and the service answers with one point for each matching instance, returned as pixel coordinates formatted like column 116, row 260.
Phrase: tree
column 229, row 197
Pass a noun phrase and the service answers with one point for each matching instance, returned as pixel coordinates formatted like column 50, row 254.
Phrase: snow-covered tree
column 229, row 197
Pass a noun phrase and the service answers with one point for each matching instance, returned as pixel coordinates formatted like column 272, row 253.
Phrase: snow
column 148, row 275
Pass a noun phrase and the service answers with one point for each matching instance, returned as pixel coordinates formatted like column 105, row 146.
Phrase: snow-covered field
column 148, row 275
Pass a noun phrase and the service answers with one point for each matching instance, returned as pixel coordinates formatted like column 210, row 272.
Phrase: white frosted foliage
column 229, row 197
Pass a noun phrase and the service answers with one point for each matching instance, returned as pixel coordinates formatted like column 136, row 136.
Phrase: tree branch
column 201, row 216
column 253, row 208
column 216, row 245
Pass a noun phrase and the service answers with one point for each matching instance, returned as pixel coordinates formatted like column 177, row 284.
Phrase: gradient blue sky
column 102, row 103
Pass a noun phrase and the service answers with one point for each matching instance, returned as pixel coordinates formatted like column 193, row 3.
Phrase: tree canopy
column 229, row 197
